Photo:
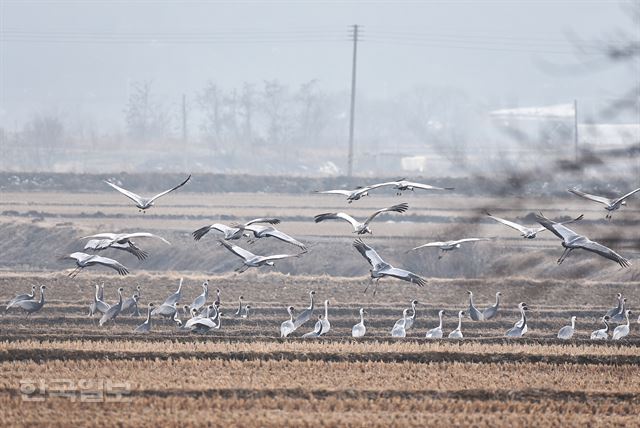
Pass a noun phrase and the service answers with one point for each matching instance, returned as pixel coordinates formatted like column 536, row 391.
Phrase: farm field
column 246, row 372
column 245, row 375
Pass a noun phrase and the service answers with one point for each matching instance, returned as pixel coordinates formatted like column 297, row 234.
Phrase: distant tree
column 312, row 117
column 42, row 136
column 46, row 131
column 145, row 118
column 229, row 117
column 275, row 106
column 210, row 101
column 246, row 110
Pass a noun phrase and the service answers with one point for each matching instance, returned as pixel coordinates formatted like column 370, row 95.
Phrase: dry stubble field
column 244, row 374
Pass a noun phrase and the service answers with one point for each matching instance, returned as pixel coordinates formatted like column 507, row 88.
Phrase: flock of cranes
column 198, row 317
column 205, row 317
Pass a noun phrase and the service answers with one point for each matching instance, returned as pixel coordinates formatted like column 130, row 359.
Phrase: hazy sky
column 79, row 57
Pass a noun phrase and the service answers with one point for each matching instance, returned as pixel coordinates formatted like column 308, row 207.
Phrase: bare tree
column 210, row 101
column 247, row 110
column 275, row 106
column 145, row 118
column 312, row 117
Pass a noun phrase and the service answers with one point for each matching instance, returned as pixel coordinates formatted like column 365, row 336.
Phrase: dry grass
column 301, row 347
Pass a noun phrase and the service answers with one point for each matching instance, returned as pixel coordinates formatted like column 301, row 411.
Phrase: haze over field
column 99, row 86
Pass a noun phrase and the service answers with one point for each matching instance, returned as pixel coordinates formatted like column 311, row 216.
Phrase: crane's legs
column 564, row 255
column 375, row 288
column 75, row 272
column 368, row 284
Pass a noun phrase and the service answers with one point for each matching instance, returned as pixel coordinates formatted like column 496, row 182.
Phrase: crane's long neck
column 97, row 296
column 459, row 321
column 573, row 323
column 607, row 326
column 362, row 317
column 497, row 300
column 524, row 318
column 149, row 315
column 311, row 305
column 42, row 302
column 470, row 299
column 440, row 316
column 119, row 298
column 291, row 315
column 413, row 309
column 627, row 315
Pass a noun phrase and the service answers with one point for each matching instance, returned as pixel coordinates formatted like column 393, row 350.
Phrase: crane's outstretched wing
column 97, row 244
column 263, row 220
column 113, row 264
column 170, row 190
column 280, row 256
column 426, row 186
column 599, row 199
column 557, row 229
column 623, row 197
column 511, row 224
column 134, row 197
column 103, row 244
column 130, row 247
column 600, row 249
column 430, row 244
column 105, row 236
column 368, row 253
column 275, row 233
column 198, row 234
column 461, row 241
column 336, row 216
column 128, row 236
column 240, row 252
column 400, row 208
column 334, row 192
column 404, row 275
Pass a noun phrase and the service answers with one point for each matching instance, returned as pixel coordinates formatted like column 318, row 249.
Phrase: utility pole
column 354, row 36
column 575, row 128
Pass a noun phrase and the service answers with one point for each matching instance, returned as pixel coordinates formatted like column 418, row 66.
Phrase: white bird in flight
column 404, row 185
column 84, row 260
column 270, row 231
column 572, row 241
column 144, row 203
column 449, row 245
column 251, row 260
column 380, row 268
column 527, row 232
column 360, row 227
column 120, row 241
column 230, row 232
column 352, row 195
column 609, row 204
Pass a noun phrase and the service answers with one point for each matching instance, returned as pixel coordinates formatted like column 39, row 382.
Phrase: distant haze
column 81, row 61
